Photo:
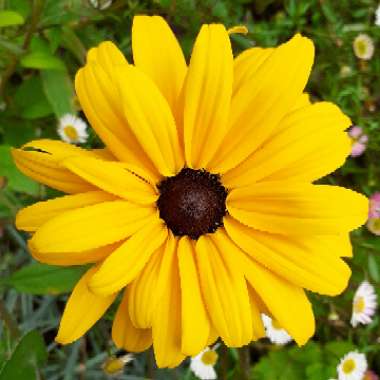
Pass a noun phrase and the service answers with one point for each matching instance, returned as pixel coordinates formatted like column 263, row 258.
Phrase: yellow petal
column 124, row 334
column 40, row 160
column 299, row 260
column 167, row 317
column 98, row 93
column 73, row 258
column 256, row 310
column 247, row 63
column 207, row 94
column 286, row 302
column 157, row 52
column 32, row 217
column 263, row 100
column 194, row 315
column 298, row 209
column 114, row 177
column 300, row 134
column 225, row 292
column 143, row 292
column 82, row 310
column 120, row 268
column 151, row 120
column 90, row 227
column 238, row 29
column 107, row 55
column 302, row 101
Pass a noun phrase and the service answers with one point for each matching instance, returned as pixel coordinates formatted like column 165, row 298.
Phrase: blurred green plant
column 42, row 45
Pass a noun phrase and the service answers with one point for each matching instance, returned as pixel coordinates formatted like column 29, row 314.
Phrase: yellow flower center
column 113, row 366
column 359, row 305
column 209, row 357
column 71, row 132
column 361, row 47
column 276, row 325
column 348, row 366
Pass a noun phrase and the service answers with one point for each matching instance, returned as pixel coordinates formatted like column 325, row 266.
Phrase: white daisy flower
column 101, row 4
column 364, row 304
column 377, row 16
column 72, row 129
column 352, row 366
column 274, row 332
column 203, row 364
column 363, row 46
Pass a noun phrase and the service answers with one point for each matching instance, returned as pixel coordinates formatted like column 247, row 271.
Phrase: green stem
column 244, row 361
column 223, row 362
column 9, row 322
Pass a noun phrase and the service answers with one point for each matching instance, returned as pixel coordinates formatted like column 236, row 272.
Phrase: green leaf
column 373, row 268
column 59, row 91
column 29, row 355
column 45, row 279
column 8, row 18
column 31, row 100
column 16, row 180
column 42, row 60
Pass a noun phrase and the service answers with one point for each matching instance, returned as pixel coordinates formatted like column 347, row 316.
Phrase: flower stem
column 244, row 362
column 9, row 321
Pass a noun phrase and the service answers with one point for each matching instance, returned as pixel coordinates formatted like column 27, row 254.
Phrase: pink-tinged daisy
column 364, row 304
column 359, row 141
column 352, row 366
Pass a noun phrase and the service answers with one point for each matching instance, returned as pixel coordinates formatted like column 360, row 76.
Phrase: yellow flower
column 202, row 204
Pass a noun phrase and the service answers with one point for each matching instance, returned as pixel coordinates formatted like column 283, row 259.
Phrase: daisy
column 374, row 205
column 274, row 332
column 101, row 4
column 72, row 129
column 377, row 16
column 203, row 364
column 364, row 304
column 373, row 225
column 202, row 204
column 352, row 366
column 359, row 141
column 363, row 46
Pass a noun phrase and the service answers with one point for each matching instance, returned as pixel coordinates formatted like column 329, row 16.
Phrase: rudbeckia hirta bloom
column 201, row 206
column 364, row 304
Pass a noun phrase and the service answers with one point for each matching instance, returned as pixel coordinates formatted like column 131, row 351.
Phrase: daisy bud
column 115, row 365
column 274, row 332
column 101, row 4
column 377, row 16
column 373, row 225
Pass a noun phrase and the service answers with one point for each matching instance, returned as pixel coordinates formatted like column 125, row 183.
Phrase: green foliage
column 42, row 45
column 29, row 355
column 40, row 279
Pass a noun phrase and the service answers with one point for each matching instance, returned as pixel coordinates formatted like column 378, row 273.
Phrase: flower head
column 364, row 304
column 274, row 332
column 352, row 366
column 363, row 46
column 377, row 16
column 202, row 204
column 72, row 129
column 374, row 205
column 359, row 141
column 203, row 364
column 115, row 365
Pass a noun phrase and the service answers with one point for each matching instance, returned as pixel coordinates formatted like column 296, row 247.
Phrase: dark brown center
column 192, row 203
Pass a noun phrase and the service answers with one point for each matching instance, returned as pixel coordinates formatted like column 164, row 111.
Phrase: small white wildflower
column 72, row 129
column 377, row 16
column 101, row 4
column 352, row 366
column 363, row 46
column 203, row 364
column 274, row 332
column 364, row 304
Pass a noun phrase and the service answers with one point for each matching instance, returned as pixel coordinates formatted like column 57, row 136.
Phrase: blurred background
column 42, row 45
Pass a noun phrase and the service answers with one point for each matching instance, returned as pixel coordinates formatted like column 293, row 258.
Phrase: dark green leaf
column 29, row 355
column 45, row 279
column 373, row 268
